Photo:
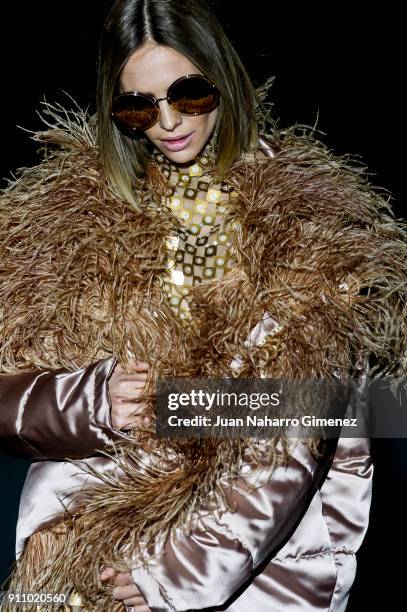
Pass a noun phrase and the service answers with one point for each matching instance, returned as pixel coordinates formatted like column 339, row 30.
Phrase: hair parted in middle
column 189, row 27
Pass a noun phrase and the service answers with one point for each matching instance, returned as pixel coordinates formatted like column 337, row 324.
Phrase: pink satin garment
column 316, row 568
column 313, row 571
column 50, row 485
column 57, row 414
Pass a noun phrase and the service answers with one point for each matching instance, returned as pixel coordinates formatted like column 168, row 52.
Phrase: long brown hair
column 189, row 27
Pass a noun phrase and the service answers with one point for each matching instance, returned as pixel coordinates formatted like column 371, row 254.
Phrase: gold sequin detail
column 203, row 247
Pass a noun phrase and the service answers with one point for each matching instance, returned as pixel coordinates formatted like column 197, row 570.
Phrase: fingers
column 139, row 365
column 126, row 589
column 125, row 578
column 127, row 592
column 126, row 377
column 139, row 422
column 127, row 416
column 140, row 369
column 127, row 394
column 135, row 364
column 127, row 406
column 126, row 410
column 126, row 388
column 107, row 573
column 126, row 385
column 125, row 391
column 134, row 421
column 131, row 380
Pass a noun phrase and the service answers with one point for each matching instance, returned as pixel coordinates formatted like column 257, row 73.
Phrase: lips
column 177, row 144
column 177, row 139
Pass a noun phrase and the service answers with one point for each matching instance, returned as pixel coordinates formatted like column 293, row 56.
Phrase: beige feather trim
column 317, row 247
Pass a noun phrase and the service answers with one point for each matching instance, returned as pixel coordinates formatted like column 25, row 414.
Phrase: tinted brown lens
column 134, row 112
column 193, row 96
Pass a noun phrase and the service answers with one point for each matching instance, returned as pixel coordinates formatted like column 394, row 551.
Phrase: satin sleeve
column 57, row 414
column 207, row 566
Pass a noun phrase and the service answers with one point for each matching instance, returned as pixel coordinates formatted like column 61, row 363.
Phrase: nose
column 169, row 119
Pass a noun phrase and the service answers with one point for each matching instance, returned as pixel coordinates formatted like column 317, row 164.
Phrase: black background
column 330, row 64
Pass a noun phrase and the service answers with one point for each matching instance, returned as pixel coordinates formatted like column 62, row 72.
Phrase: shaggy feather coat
column 81, row 279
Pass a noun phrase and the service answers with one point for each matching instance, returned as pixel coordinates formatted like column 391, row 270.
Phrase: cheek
column 212, row 119
column 204, row 124
column 153, row 133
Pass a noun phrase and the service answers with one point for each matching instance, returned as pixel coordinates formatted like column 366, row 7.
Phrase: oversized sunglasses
column 193, row 94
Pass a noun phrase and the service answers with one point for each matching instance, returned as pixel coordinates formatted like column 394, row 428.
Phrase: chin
column 182, row 157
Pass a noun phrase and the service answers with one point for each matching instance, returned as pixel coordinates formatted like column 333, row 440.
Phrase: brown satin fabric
column 57, row 414
column 287, row 548
column 312, row 572
column 253, row 560
column 47, row 488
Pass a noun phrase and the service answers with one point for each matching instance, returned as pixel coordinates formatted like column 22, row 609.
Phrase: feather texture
column 317, row 246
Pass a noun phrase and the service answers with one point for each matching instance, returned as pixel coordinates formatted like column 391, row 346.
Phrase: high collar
column 200, row 169
column 203, row 159
column 202, row 166
column 170, row 186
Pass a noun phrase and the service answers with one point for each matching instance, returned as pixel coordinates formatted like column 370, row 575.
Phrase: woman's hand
column 125, row 590
column 125, row 390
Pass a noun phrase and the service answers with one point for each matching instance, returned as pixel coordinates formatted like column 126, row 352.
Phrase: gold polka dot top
column 202, row 250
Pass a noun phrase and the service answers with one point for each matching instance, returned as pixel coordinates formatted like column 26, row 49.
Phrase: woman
column 235, row 249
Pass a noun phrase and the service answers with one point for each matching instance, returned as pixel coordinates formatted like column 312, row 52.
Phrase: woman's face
column 152, row 69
